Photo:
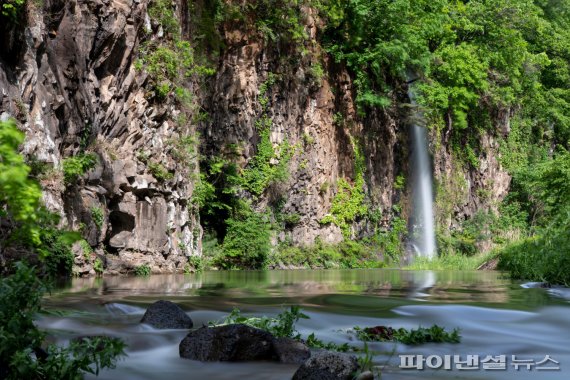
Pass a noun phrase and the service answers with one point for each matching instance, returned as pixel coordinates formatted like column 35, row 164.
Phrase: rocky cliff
column 70, row 74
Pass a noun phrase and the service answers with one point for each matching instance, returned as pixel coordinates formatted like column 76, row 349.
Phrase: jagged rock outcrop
column 70, row 80
column 314, row 112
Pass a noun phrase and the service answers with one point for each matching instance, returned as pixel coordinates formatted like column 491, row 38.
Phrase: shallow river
column 496, row 317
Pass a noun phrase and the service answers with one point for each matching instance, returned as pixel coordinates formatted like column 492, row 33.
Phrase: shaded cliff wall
column 68, row 76
column 314, row 112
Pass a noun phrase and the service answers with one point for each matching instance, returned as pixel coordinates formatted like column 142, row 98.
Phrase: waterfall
column 423, row 224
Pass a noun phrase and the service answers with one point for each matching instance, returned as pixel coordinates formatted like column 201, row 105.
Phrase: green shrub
column 57, row 251
column 24, row 354
column 348, row 202
column 98, row 266
column 143, row 270
column 86, row 249
column 348, row 254
column 75, row 167
column 246, row 244
column 12, row 8
column 196, row 264
column 98, row 216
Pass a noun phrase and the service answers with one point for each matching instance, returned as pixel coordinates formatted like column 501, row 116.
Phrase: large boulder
column 166, row 315
column 325, row 365
column 227, row 343
column 291, row 351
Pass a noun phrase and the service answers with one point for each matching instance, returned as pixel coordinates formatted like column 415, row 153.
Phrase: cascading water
column 423, row 224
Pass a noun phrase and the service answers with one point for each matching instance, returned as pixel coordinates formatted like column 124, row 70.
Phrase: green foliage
column 159, row 172
column 314, row 342
column 12, row 8
column 348, row 254
column 98, row 266
column 184, row 151
column 348, row 203
column 262, row 170
column 246, row 244
column 56, row 250
column 196, row 264
column 270, row 163
column 477, row 61
column 75, row 167
column 545, row 192
column 169, row 61
column 19, row 195
column 86, row 249
column 421, row 335
column 390, row 240
column 454, row 261
column 24, row 221
column 143, row 270
column 203, row 192
column 283, row 325
column 98, row 216
column 23, row 351
column 275, row 20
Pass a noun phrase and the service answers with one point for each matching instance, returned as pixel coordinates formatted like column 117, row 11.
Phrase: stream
column 496, row 316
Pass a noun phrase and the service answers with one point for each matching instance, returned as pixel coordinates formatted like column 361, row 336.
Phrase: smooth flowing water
column 423, row 222
column 495, row 315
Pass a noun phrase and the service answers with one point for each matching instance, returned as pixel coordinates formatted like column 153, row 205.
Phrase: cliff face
column 312, row 111
column 69, row 78
column 67, row 73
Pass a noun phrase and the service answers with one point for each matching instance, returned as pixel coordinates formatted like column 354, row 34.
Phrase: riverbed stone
column 291, row 351
column 167, row 315
column 236, row 342
column 325, row 365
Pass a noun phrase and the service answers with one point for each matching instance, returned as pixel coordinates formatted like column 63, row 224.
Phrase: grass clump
column 421, row 335
column 159, row 172
column 75, row 167
column 143, row 270
column 283, row 325
column 247, row 242
column 451, row 262
column 347, row 254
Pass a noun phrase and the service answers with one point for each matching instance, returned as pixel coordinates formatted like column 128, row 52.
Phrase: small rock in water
column 227, row 343
column 291, row 351
column 166, row 315
column 327, row 365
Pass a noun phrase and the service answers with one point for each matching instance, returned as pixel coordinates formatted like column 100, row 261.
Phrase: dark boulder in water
column 291, row 351
column 325, row 365
column 236, row 342
column 166, row 315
